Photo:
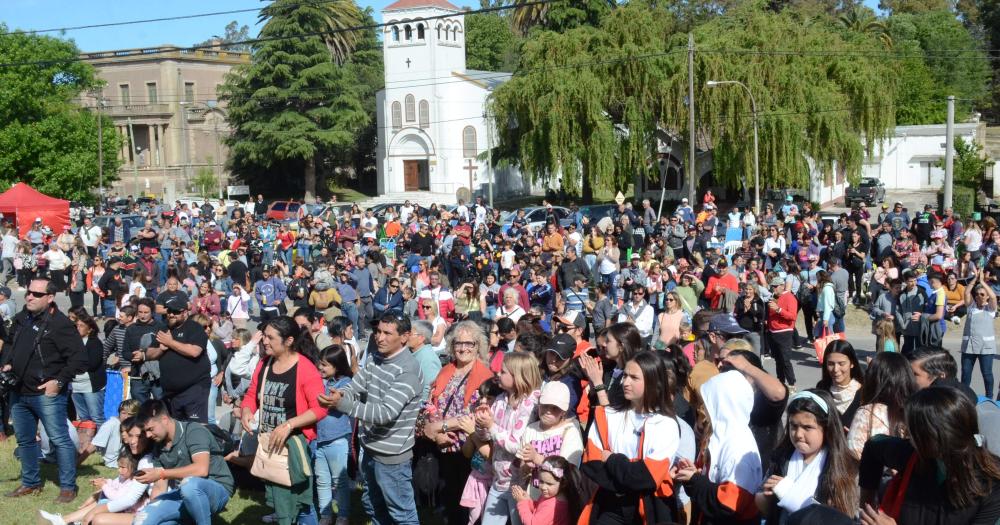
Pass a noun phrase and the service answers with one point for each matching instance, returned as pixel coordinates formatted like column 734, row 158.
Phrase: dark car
column 595, row 212
column 869, row 191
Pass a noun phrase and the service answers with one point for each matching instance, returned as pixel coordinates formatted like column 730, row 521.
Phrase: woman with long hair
column 979, row 337
column 454, row 395
column 622, row 342
column 286, row 421
column 88, row 385
column 206, row 302
column 826, row 300
column 946, row 474
column 750, row 313
column 630, row 448
column 811, row 463
column 842, row 378
column 888, row 382
column 671, row 318
column 341, row 332
column 94, row 274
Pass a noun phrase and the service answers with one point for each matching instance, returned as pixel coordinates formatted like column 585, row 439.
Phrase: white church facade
column 432, row 129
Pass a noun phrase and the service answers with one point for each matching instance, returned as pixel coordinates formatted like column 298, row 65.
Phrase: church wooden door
column 411, row 175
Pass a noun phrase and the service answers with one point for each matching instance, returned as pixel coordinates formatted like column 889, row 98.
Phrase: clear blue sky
column 47, row 14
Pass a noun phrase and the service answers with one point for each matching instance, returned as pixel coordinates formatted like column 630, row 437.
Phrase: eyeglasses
column 565, row 327
column 175, row 312
column 670, row 299
column 35, row 294
column 426, row 307
column 463, row 344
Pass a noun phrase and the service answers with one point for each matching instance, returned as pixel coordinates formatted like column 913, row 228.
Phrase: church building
column 432, row 129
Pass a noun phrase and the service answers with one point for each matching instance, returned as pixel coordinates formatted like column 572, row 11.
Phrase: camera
column 8, row 382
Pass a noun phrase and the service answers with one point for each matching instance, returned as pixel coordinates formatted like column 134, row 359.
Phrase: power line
column 153, row 20
column 258, row 40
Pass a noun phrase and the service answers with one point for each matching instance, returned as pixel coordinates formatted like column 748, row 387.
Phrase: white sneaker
column 270, row 518
column 956, row 320
column 53, row 519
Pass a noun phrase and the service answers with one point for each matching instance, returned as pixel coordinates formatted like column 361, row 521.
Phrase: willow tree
column 582, row 106
column 825, row 96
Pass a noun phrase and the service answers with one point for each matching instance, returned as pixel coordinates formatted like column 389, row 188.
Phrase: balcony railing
column 139, row 109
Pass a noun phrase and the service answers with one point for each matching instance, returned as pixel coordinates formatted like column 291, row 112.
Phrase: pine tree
column 293, row 106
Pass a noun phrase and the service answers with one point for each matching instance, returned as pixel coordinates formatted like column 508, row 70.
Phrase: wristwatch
column 60, row 384
column 444, row 427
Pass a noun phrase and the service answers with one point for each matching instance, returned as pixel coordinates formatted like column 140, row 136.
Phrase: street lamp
column 756, row 146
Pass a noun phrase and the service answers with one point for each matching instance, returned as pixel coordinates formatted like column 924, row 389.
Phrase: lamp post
column 756, row 144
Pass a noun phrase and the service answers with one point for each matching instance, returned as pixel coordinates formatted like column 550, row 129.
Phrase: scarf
column 798, row 488
column 843, row 396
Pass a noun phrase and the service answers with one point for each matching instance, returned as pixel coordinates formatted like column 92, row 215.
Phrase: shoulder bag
column 269, row 466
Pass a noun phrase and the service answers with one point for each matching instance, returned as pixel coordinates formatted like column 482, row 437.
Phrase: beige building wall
column 153, row 90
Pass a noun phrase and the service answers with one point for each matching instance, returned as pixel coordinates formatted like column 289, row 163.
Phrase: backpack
column 222, row 438
column 426, row 474
column 839, row 306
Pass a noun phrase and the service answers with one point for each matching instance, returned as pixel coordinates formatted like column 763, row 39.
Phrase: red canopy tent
column 22, row 204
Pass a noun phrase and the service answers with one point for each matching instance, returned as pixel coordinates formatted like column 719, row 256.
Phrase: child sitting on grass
column 120, row 495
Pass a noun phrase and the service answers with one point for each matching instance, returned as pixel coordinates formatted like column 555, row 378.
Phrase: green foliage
column 46, row 139
column 963, row 200
column 913, row 6
column 233, row 33
column 293, row 107
column 491, row 44
column 591, row 100
column 952, row 57
column 205, row 182
column 969, row 163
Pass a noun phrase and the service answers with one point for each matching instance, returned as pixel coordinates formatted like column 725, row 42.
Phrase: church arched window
column 420, row 31
column 411, row 109
column 469, row 147
column 408, row 32
column 397, row 115
column 439, row 32
column 454, row 35
column 425, row 114
column 395, row 34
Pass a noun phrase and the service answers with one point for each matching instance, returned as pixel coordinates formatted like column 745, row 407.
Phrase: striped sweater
column 385, row 397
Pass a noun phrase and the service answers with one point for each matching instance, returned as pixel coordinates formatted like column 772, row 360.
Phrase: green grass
column 348, row 195
column 245, row 507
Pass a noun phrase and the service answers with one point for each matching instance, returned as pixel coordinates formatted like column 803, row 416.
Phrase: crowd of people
column 454, row 359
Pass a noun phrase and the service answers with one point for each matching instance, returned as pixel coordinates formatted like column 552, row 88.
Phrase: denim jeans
column 196, row 500
column 286, row 255
column 213, row 398
column 303, row 251
column 142, row 390
column 26, row 411
column 350, row 310
column 611, row 279
column 108, row 308
column 388, row 495
column 89, row 406
column 499, row 507
column 332, row 478
column 985, row 367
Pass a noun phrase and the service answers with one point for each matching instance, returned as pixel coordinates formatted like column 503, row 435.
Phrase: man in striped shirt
column 385, row 397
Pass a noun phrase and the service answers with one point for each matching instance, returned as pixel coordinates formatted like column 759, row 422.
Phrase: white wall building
column 431, row 125
column 908, row 160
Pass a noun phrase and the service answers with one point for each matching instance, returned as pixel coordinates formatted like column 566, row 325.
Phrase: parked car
column 134, row 222
column 595, row 212
column 286, row 210
column 869, row 191
column 535, row 217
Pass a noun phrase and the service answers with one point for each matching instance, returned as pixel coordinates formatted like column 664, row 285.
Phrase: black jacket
column 60, row 353
column 95, row 363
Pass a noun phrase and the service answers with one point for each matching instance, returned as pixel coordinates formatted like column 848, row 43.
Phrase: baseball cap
column 555, row 393
column 777, row 281
column 685, row 199
column 572, row 318
column 635, row 256
column 928, row 207
column 38, row 219
column 897, row 203
column 563, row 345
column 885, row 205
column 725, row 323
column 212, row 223
column 788, row 198
column 177, row 303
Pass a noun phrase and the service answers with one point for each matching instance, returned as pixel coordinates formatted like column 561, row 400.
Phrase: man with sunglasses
column 44, row 353
column 184, row 363
column 389, row 298
column 639, row 312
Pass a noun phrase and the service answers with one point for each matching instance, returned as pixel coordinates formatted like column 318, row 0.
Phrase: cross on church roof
column 407, row 63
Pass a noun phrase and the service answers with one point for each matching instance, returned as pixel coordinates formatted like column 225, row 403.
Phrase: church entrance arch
column 415, row 175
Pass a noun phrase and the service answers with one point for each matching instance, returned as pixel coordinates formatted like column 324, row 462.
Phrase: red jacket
column 727, row 280
column 308, row 387
column 783, row 320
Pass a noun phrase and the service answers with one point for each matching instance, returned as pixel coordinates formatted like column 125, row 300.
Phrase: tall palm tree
column 527, row 16
column 863, row 20
column 341, row 14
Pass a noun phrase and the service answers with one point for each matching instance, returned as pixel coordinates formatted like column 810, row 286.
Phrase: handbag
column 267, row 465
column 822, row 342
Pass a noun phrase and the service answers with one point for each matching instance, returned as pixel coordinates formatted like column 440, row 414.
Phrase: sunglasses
column 36, row 294
column 175, row 312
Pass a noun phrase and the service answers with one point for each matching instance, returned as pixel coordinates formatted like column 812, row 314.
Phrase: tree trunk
column 586, row 190
column 310, row 181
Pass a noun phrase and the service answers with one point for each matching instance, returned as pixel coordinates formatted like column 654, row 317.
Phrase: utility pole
column 489, row 152
column 184, row 135
column 100, row 148
column 692, row 168
column 218, row 156
column 135, row 158
column 949, row 154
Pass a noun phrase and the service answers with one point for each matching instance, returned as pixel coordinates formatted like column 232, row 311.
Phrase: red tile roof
column 413, row 4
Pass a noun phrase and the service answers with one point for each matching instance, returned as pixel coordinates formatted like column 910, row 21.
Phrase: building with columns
column 164, row 104
column 432, row 128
